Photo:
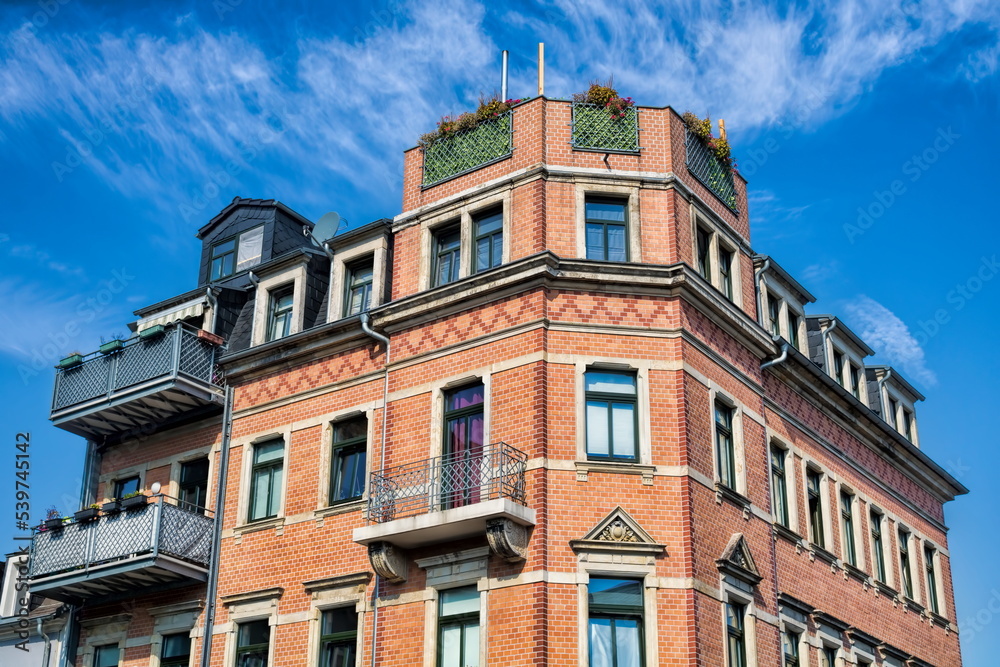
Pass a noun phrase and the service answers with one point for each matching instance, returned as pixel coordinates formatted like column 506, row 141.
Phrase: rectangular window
column 814, row 491
column 736, row 646
column 458, row 628
column 447, row 256
column 726, row 272
column 773, row 314
column 891, row 417
column 838, row 367
column 704, row 250
column 350, row 448
column 904, row 563
column 265, row 480
column 794, row 321
column 847, row 524
column 607, row 230
column 615, row 610
column 879, row 550
column 237, row 254
column 464, row 434
column 176, row 651
column 725, row 447
column 929, row 567
column 252, row 644
column 790, row 648
column 125, row 486
column 908, row 424
column 106, row 656
column 338, row 643
column 828, row 657
column 193, row 487
column 779, row 486
column 488, row 232
column 611, row 415
column 855, row 374
column 358, row 295
column 279, row 316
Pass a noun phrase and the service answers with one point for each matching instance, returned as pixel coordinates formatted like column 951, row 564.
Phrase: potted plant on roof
column 88, row 514
column 152, row 332
column 53, row 519
column 604, row 120
column 116, row 343
column 71, row 360
column 134, row 500
column 112, row 506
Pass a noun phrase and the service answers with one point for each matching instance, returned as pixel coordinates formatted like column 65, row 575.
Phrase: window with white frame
column 779, row 485
column 773, row 314
column 736, row 639
column 612, row 415
column 790, row 648
column 266, row 475
column 827, row 656
column 348, row 460
column 838, row 366
column 716, row 260
column 725, row 444
column 814, row 503
column 703, row 252
column 280, row 309
column 358, row 283
column 931, row 578
column 847, row 526
column 905, row 571
column 794, row 325
column 876, row 521
column 615, row 615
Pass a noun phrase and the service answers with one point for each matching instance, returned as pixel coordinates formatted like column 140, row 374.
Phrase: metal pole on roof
column 503, row 78
column 541, row 68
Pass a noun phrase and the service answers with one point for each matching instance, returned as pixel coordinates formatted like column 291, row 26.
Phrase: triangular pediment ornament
column 737, row 560
column 618, row 531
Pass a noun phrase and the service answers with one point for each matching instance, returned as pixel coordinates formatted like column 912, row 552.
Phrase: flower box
column 85, row 515
column 70, row 361
column 135, row 502
column 209, row 337
column 152, row 332
column 54, row 524
column 111, row 346
column 111, row 507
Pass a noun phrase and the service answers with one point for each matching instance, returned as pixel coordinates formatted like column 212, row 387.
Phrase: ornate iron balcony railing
column 489, row 141
column 704, row 166
column 447, row 482
column 156, row 529
column 595, row 129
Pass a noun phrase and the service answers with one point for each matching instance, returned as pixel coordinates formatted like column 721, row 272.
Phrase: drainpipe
column 71, row 637
column 883, row 402
column 48, row 642
column 366, row 327
column 827, row 357
column 778, row 360
column 254, row 279
column 756, row 287
column 220, row 504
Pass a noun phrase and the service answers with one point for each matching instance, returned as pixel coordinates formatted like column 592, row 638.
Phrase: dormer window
column 838, row 367
column 907, row 424
column 794, row 322
column 774, row 314
column 279, row 318
column 704, row 250
column 236, row 254
column 360, row 277
column 855, row 380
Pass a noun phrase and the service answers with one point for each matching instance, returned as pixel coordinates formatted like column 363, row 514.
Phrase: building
column 34, row 632
column 615, row 435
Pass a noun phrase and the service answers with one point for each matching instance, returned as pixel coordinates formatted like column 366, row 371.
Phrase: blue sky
column 866, row 131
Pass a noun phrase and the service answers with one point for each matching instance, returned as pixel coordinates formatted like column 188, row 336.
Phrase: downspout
column 45, row 638
column 881, row 401
column 827, row 357
column 220, row 504
column 779, row 359
column 366, row 327
column 756, row 287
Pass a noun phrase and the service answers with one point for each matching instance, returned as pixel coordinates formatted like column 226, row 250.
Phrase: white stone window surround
column 888, row 553
column 913, row 544
column 295, row 276
column 438, row 391
column 110, row 479
column 799, row 626
column 791, row 478
column 246, row 467
column 171, row 620
column 257, row 609
column 462, row 214
column 174, row 486
column 326, row 450
column 902, row 404
column 629, row 194
column 810, row 465
column 719, row 237
column 942, row 610
column 351, row 593
column 454, row 570
column 377, row 249
column 629, row 568
column 859, row 523
column 102, row 632
column 641, row 369
column 732, row 590
column 837, row 343
column 739, row 449
column 788, row 305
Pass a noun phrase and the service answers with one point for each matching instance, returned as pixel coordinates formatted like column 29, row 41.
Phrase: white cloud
column 889, row 337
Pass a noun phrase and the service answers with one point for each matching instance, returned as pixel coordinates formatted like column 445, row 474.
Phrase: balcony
column 704, row 166
column 156, row 546
column 448, row 498
column 595, row 130
column 488, row 142
column 150, row 380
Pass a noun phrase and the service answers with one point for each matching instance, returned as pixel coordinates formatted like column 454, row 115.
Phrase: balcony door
column 462, row 464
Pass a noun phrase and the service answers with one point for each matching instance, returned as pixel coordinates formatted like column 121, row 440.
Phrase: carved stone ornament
column 388, row 561
column 507, row 539
column 737, row 561
column 618, row 531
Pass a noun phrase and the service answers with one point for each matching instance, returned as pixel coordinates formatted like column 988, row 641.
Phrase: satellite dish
column 328, row 226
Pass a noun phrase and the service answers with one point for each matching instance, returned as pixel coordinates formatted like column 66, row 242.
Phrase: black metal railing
column 177, row 351
column 151, row 530
column 447, row 482
column 595, row 129
column 487, row 142
column 707, row 168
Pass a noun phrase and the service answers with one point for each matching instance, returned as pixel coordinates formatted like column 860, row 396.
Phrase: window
column 932, row 592
column 265, row 480
column 252, row 643
column 464, row 440
column 855, row 375
column 607, row 236
column 615, row 619
column 904, row 563
column 877, row 547
column 611, row 415
column 726, row 272
column 704, row 253
column 828, row 657
column 774, row 314
column 790, row 648
column 350, row 447
column 891, row 417
column 358, row 297
column 725, row 447
column 458, row 628
column 176, row 651
column 338, row 642
column 847, row 524
column 908, row 424
column 106, row 655
column 779, row 486
column 838, row 367
column 813, row 489
column 279, row 317
column 736, row 646
column 794, row 321
column 236, row 254
column 488, row 232
column 447, row 256
column 125, row 486
column 193, row 487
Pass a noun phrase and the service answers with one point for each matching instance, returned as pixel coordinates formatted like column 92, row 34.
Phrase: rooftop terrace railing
column 707, row 168
column 489, row 141
column 595, row 129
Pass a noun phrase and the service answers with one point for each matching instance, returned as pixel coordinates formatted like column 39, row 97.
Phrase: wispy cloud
column 889, row 337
